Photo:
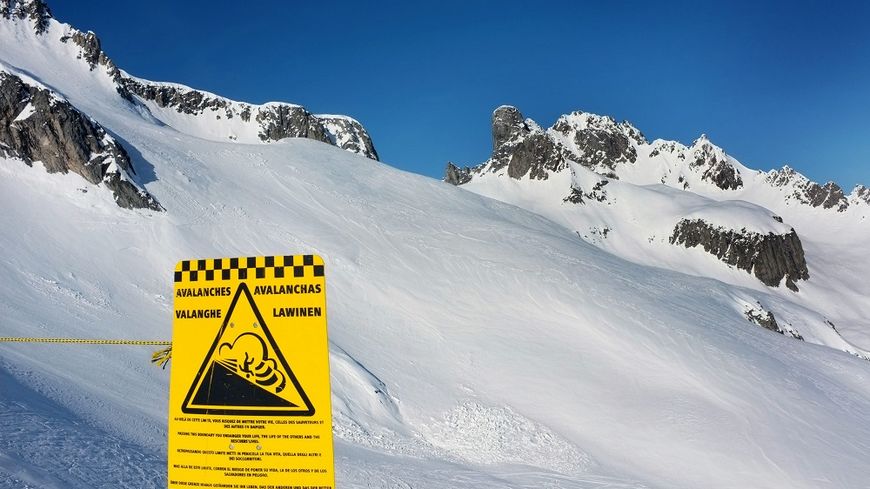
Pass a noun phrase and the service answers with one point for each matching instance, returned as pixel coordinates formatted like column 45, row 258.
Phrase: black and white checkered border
column 296, row 266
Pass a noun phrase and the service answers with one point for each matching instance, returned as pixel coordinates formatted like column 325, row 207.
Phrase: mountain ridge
column 602, row 144
column 263, row 123
column 604, row 181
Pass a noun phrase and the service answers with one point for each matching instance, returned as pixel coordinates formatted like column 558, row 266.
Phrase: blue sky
column 772, row 84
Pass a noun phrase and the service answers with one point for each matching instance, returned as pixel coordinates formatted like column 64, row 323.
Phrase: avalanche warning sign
column 249, row 400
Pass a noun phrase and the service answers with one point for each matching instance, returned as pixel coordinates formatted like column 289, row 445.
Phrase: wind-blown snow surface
column 472, row 343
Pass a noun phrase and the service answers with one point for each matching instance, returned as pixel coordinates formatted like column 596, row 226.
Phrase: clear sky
column 771, row 84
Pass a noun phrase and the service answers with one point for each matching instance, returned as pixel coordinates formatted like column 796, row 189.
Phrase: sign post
column 249, row 396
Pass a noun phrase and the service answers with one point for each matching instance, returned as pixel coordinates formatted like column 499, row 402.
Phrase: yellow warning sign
column 249, row 401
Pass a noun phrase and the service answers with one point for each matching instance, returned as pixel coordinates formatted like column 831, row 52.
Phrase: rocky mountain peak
column 861, row 194
column 597, row 142
column 508, row 125
column 520, row 146
column 36, row 11
column 803, row 190
column 714, row 164
column 582, row 121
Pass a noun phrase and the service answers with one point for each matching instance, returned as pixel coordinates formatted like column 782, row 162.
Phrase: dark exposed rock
column 35, row 10
column 575, row 197
column 92, row 52
column 523, row 149
column 600, row 141
column 455, row 175
column 769, row 257
column 508, row 126
column 578, row 196
column 535, row 155
column 349, row 135
column 827, row 196
column 861, row 194
column 765, row 319
column 183, row 100
column 289, row 121
column 36, row 125
column 714, row 165
column 758, row 315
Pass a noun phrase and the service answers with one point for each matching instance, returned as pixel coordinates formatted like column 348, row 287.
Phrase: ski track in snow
column 45, row 445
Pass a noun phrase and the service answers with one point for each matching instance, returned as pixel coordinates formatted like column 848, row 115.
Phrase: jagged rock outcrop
column 758, row 315
column 861, row 194
column 578, row 196
column 763, row 318
column 597, row 142
column 348, row 134
column 770, row 257
column 279, row 121
column 508, row 126
column 522, row 147
column 36, row 11
column 455, row 175
column 38, row 125
column 827, row 196
column 535, row 155
column 713, row 164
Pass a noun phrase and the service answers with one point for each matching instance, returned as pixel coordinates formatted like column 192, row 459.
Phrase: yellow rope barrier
column 85, row 341
column 160, row 357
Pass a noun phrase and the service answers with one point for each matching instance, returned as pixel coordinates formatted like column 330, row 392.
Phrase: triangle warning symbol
column 244, row 372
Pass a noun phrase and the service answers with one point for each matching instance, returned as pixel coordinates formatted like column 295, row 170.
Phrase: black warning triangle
column 244, row 372
column 224, row 387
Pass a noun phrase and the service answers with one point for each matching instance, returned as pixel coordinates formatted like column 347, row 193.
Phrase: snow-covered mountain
column 472, row 343
column 187, row 110
column 692, row 209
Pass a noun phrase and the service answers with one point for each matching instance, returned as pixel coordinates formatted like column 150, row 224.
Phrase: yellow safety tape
column 84, row 341
column 160, row 357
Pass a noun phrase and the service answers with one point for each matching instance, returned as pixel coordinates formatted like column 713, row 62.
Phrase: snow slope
column 631, row 205
column 473, row 343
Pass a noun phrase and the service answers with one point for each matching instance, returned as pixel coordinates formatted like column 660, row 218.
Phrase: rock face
column 765, row 319
column 758, row 315
column 535, row 155
column 455, row 175
column 578, row 196
column 769, row 257
column 349, row 135
column 508, row 126
column 861, row 195
column 520, row 146
column 800, row 188
column 38, row 125
column 289, row 121
column 714, row 165
column 597, row 142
